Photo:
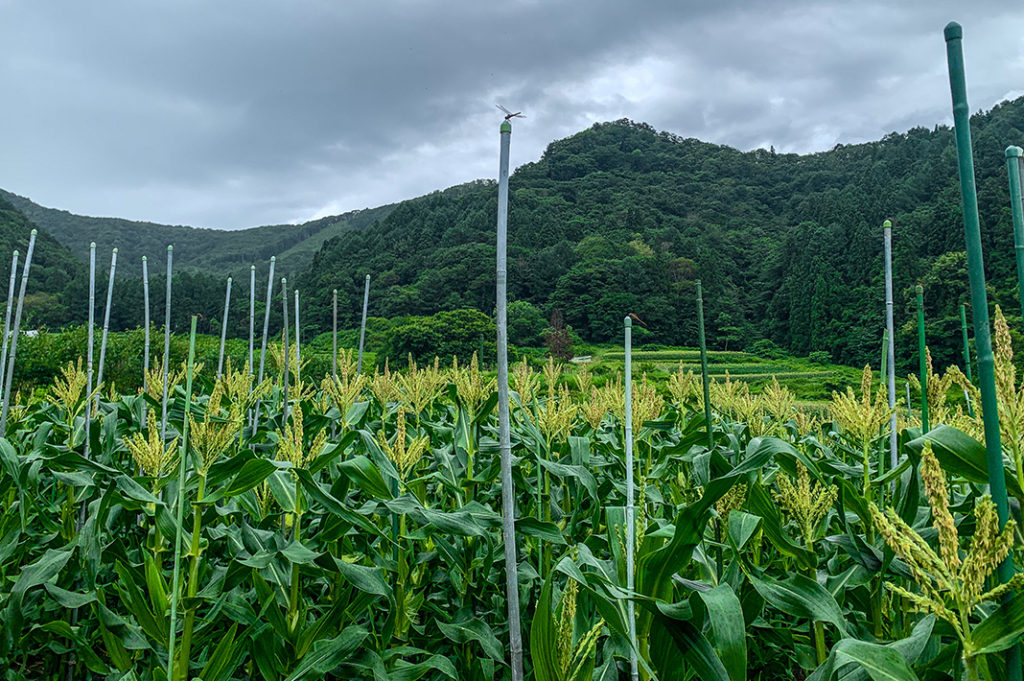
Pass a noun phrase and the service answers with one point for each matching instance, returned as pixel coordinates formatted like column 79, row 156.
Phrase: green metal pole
column 979, row 301
column 705, row 378
column 1013, row 155
column 967, row 354
column 922, row 357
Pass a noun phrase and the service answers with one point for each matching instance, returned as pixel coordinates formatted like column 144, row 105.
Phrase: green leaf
column 728, row 629
column 69, row 599
column 365, row 476
column 329, row 654
column 676, row 645
column 542, row 638
column 547, row 531
column 880, row 663
column 962, row 455
column 1002, row 628
column 219, row 666
column 800, row 596
column 253, row 473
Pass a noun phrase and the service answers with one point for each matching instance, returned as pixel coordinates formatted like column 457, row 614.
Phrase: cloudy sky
column 236, row 113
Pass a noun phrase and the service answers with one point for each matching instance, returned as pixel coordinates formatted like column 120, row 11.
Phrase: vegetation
column 351, row 530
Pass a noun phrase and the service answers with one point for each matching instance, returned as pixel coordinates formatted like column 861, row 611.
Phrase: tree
column 558, row 338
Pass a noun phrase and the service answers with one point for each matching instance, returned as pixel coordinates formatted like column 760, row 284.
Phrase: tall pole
column 979, row 302
column 167, row 344
column 224, row 330
column 967, row 355
column 7, row 315
column 362, row 326
column 298, row 347
column 106, row 318
column 705, row 378
column 266, row 317
column 630, row 511
column 252, row 314
column 89, row 341
column 284, row 331
column 334, row 333
column 922, row 353
column 890, row 343
column 145, row 323
column 9, row 375
column 508, row 510
column 1013, row 156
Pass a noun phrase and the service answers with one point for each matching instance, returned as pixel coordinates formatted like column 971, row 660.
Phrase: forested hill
column 230, row 252
column 621, row 218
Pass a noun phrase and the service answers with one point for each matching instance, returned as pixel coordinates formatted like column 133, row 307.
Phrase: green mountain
column 622, row 218
column 617, row 219
column 230, row 252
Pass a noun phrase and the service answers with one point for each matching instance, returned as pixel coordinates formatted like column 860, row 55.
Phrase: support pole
column 167, row 344
column 362, row 326
column 922, row 353
column 89, row 347
column 252, row 315
column 967, row 356
column 508, row 527
column 890, row 343
column 705, row 378
column 298, row 347
column 224, row 330
column 287, row 351
column 145, row 326
column 979, row 303
column 1013, row 156
column 630, row 510
column 9, row 375
column 7, row 316
column 106, row 320
column 334, row 333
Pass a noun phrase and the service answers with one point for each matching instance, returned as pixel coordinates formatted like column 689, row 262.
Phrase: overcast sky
column 236, row 113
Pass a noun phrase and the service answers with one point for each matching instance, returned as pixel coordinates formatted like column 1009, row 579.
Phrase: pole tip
column 953, row 31
column 920, row 290
column 34, row 232
column 229, row 280
column 115, row 250
column 627, row 322
column 1014, row 152
column 284, row 280
column 334, row 291
column 505, row 127
column 252, row 268
column 170, row 248
column 367, row 277
column 273, row 258
column 887, row 224
column 92, row 244
column 143, row 258
column 15, row 252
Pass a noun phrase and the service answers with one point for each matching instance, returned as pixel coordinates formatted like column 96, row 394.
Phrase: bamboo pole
column 224, row 330
column 1013, row 156
column 106, row 320
column 890, row 343
column 298, row 347
column 266, row 319
column 334, row 333
column 252, row 316
column 705, row 378
column 967, row 356
column 167, row 345
column 362, row 326
column 284, row 331
column 89, row 341
column 176, row 578
column 922, row 353
column 145, row 323
column 979, row 302
column 7, row 315
column 9, row 375
column 630, row 511
column 508, row 511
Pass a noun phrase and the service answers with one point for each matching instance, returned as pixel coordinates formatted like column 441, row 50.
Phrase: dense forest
column 615, row 219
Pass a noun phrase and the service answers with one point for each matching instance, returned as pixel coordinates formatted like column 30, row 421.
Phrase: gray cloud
column 246, row 112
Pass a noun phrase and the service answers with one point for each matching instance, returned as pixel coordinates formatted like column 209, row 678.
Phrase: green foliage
column 457, row 333
column 819, row 357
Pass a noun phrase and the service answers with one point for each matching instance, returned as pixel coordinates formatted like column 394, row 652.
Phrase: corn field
column 349, row 527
